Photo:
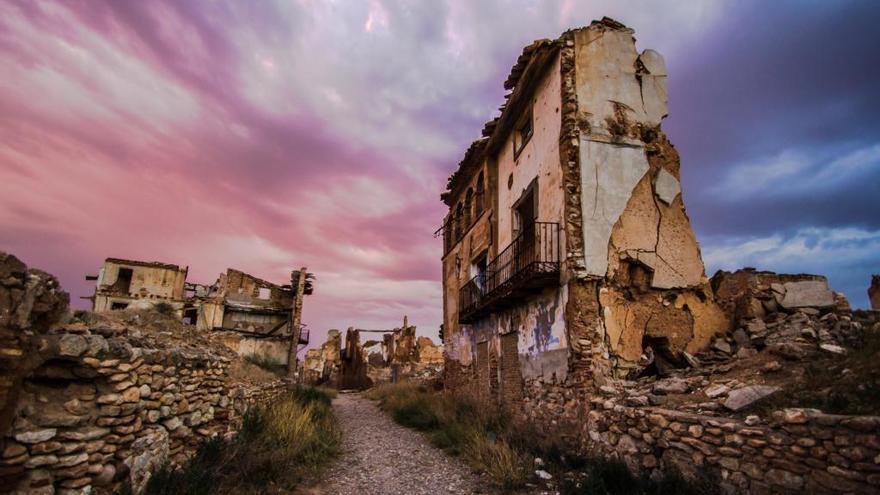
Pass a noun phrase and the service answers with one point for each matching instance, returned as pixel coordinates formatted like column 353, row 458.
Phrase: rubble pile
column 95, row 402
column 744, row 406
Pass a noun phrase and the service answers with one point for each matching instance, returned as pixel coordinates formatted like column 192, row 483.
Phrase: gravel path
column 382, row 457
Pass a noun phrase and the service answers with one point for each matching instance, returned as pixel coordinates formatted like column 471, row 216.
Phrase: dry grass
column 276, row 449
column 461, row 426
column 490, row 441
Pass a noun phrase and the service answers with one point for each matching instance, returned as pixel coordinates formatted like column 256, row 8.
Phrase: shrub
column 267, row 363
column 163, row 308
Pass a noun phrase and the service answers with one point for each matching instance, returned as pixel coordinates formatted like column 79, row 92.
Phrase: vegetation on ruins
column 506, row 450
column 268, row 363
column 278, row 447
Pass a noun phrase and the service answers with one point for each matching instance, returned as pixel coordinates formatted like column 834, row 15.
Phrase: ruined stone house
column 567, row 249
column 256, row 315
column 124, row 284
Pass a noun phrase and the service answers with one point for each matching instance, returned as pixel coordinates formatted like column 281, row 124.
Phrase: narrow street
column 382, row 457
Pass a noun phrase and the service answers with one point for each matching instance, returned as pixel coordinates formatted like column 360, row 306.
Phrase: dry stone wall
column 94, row 402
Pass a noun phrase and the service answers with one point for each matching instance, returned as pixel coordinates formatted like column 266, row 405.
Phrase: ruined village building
column 567, row 248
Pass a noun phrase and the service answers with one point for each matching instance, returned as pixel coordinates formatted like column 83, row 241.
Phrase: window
column 123, row 281
column 118, row 306
column 264, row 293
column 478, row 269
column 525, row 210
column 522, row 135
column 478, row 200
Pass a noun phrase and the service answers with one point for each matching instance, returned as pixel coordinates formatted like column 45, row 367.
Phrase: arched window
column 468, row 208
column 458, row 222
column 480, row 197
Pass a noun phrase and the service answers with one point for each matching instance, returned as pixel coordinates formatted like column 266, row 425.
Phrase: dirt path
column 382, row 457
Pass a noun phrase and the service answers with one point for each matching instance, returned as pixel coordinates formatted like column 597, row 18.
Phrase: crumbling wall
column 321, row 365
column 636, row 233
column 98, row 401
column 353, row 369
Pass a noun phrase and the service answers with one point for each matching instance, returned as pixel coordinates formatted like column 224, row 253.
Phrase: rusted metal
column 530, row 262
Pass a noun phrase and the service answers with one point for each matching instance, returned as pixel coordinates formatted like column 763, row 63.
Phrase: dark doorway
column 526, row 212
column 118, row 305
column 123, row 281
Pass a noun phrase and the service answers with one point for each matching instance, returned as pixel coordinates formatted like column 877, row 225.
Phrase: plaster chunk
column 609, row 173
column 666, row 187
column 653, row 62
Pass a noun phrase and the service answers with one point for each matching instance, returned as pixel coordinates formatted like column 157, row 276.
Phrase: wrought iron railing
column 530, row 261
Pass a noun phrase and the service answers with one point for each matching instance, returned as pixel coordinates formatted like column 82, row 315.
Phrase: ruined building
column 123, row 284
column 567, row 249
column 96, row 402
column 575, row 296
column 399, row 355
column 258, row 317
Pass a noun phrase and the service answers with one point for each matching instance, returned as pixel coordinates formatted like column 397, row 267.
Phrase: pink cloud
column 258, row 136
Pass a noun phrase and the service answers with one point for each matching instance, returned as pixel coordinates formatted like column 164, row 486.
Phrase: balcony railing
column 530, row 262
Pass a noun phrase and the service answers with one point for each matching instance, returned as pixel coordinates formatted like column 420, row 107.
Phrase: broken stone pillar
column 874, row 292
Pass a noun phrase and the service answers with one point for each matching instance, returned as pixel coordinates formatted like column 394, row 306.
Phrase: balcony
column 528, row 264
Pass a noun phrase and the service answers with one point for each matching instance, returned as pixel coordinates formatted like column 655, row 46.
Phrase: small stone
column 173, row 423
column 746, row 396
column 834, row 349
column 692, row 361
column 72, row 345
column 544, row 475
column 105, row 477
column 721, row 345
column 716, row 391
column 752, row 420
column 13, row 450
column 40, row 460
column 110, row 399
column 36, row 436
column 132, row 394
column 671, row 386
column 72, row 460
column 794, row 416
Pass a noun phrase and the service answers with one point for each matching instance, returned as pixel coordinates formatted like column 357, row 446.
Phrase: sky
column 270, row 135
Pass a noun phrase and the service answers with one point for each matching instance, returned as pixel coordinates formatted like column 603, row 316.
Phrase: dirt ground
column 382, row 457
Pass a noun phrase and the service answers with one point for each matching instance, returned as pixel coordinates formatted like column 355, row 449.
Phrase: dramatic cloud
column 272, row 135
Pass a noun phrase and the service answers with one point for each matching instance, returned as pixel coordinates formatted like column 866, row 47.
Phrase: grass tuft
column 276, row 448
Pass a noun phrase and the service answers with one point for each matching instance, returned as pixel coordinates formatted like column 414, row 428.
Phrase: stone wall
column 94, row 402
column 797, row 450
